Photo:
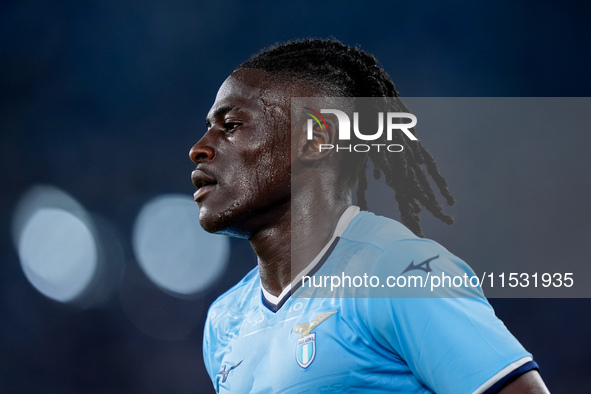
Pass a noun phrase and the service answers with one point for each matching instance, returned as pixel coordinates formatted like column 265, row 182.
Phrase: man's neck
column 273, row 248
column 287, row 247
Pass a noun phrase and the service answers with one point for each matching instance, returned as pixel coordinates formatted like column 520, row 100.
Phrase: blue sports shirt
column 368, row 338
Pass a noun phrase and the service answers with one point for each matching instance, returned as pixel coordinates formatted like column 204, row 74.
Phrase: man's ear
column 322, row 142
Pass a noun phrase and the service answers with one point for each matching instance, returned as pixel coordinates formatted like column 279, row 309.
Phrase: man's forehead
column 242, row 89
column 242, row 83
column 236, row 91
column 253, row 88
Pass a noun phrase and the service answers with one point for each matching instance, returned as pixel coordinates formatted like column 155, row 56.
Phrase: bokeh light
column 172, row 248
column 58, row 254
column 55, row 240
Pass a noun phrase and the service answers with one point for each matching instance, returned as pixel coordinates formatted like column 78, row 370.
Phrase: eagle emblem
column 306, row 345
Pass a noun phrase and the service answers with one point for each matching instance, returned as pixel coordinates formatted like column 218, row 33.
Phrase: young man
column 260, row 175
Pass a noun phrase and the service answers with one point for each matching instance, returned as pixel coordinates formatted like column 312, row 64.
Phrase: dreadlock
column 351, row 72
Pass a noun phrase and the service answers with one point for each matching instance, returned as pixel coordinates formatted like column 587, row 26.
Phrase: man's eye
column 231, row 126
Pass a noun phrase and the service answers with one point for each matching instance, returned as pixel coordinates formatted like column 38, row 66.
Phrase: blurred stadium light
column 58, row 253
column 62, row 252
column 173, row 250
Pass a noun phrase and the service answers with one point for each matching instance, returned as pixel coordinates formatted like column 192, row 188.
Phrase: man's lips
column 198, row 195
column 203, row 182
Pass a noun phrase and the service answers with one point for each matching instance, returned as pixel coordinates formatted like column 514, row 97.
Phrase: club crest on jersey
column 306, row 345
column 306, row 350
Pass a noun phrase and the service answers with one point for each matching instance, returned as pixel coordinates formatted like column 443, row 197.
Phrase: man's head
column 242, row 175
column 251, row 170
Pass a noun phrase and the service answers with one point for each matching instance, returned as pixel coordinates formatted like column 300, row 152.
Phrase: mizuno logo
column 424, row 266
column 225, row 373
column 304, row 329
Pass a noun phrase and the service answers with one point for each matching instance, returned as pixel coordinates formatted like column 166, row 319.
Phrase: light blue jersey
column 366, row 339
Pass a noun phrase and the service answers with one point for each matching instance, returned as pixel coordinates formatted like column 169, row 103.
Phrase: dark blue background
column 103, row 99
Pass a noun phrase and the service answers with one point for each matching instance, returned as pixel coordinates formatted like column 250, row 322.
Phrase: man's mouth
column 203, row 182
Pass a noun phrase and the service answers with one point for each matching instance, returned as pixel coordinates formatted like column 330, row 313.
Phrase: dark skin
column 242, row 157
column 250, row 188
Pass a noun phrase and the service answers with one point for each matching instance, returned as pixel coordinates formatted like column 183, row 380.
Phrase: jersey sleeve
column 449, row 336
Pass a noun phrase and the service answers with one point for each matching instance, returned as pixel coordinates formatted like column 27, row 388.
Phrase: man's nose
column 201, row 152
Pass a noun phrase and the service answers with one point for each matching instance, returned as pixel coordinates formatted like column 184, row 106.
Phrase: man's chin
column 219, row 223
column 209, row 222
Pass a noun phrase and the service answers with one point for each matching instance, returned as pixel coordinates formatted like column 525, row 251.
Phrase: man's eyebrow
column 218, row 112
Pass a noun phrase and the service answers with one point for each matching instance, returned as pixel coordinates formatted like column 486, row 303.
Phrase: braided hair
column 350, row 72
